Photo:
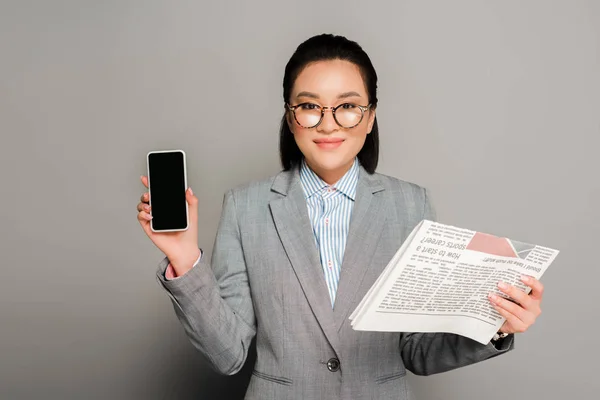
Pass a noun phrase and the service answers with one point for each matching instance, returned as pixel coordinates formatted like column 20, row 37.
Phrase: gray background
column 493, row 105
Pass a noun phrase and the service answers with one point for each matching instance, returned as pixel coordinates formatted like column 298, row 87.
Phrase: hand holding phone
column 175, row 231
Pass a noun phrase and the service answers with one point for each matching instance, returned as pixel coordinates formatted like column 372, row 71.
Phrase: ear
column 289, row 120
column 371, row 120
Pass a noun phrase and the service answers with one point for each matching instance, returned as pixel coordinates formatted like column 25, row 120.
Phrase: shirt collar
column 312, row 183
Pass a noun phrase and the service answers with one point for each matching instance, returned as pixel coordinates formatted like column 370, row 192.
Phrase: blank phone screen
column 166, row 176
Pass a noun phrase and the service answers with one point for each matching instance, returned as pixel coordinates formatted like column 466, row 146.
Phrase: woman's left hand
column 522, row 314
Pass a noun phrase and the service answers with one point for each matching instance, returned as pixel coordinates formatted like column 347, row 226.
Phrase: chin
column 331, row 162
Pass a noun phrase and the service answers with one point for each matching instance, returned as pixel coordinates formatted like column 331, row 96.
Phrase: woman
column 294, row 254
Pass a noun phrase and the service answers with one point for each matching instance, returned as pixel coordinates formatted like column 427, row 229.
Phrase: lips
column 329, row 140
column 329, row 143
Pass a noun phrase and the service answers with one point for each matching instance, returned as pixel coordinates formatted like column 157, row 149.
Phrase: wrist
column 498, row 338
column 184, row 260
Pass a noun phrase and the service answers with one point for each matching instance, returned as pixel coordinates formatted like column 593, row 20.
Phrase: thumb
column 193, row 206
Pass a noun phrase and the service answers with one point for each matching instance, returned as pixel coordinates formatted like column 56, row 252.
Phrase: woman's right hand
column 181, row 248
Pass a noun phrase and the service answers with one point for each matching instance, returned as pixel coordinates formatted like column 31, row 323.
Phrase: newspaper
column 440, row 278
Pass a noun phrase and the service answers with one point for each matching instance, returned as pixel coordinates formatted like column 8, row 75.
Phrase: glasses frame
column 333, row 110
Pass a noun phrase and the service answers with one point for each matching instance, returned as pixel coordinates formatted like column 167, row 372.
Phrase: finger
column 144, row 216
column 143, row 207
column 517, row 294
column 516, row 324
column 537, row 288
column 145, row 198
column 145, row 223
column 144, row 180
column 509, row 306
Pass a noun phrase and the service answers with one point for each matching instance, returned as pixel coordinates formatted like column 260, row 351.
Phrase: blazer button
column 333, row 364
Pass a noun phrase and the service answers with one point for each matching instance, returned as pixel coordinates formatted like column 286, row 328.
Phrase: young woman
column 294, row 254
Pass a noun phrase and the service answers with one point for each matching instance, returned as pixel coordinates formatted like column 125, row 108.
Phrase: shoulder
column 255, row 191
column 399, row 187
column 408, row 198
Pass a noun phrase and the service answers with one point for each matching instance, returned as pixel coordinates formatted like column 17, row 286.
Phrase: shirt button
column 333, row 364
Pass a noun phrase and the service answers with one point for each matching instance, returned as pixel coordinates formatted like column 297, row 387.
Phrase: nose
column 328, row 123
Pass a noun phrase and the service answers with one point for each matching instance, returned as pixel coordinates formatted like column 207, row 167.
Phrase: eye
column 308, row 106
column 347, row 106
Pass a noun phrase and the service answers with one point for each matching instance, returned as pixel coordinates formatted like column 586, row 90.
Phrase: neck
column 331, row 176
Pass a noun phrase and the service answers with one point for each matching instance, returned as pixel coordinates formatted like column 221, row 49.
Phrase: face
column 328, row 148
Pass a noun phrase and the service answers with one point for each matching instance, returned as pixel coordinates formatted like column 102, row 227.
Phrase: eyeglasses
column 346, row 115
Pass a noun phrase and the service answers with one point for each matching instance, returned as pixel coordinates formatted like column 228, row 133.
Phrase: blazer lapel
column 366, row 225
column 291, row 219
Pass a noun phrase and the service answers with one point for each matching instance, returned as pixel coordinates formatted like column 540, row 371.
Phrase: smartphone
column 167, row 183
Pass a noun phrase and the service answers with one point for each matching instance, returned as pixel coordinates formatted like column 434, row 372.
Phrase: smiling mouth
column 329, row 144
column 329, row 141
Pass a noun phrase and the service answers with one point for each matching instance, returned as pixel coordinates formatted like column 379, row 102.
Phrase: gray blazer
column 265, row 280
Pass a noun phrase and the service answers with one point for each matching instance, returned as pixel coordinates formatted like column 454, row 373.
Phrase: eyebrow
column 344, row 95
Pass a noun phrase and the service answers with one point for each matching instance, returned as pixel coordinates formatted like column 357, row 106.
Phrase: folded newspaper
column 440, row 278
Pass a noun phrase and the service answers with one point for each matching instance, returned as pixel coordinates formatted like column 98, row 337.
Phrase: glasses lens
column 348, row 115
column 308, row 115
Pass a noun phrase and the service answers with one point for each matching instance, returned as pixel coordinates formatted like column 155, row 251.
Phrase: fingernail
column 147, row 208
column 492, row 296
column 525, row 278
column 148, row 216
column 192, row 193
column 502, row 285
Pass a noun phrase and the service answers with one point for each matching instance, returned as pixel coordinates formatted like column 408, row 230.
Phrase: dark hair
column 320, row 48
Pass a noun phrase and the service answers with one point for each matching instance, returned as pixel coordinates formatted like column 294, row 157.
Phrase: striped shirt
column 329, row 210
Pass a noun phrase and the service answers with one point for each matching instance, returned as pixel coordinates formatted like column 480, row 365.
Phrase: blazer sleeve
column 213, row 302
column 432, row 353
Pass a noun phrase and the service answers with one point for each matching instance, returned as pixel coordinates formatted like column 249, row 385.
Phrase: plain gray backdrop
column 492, row 105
